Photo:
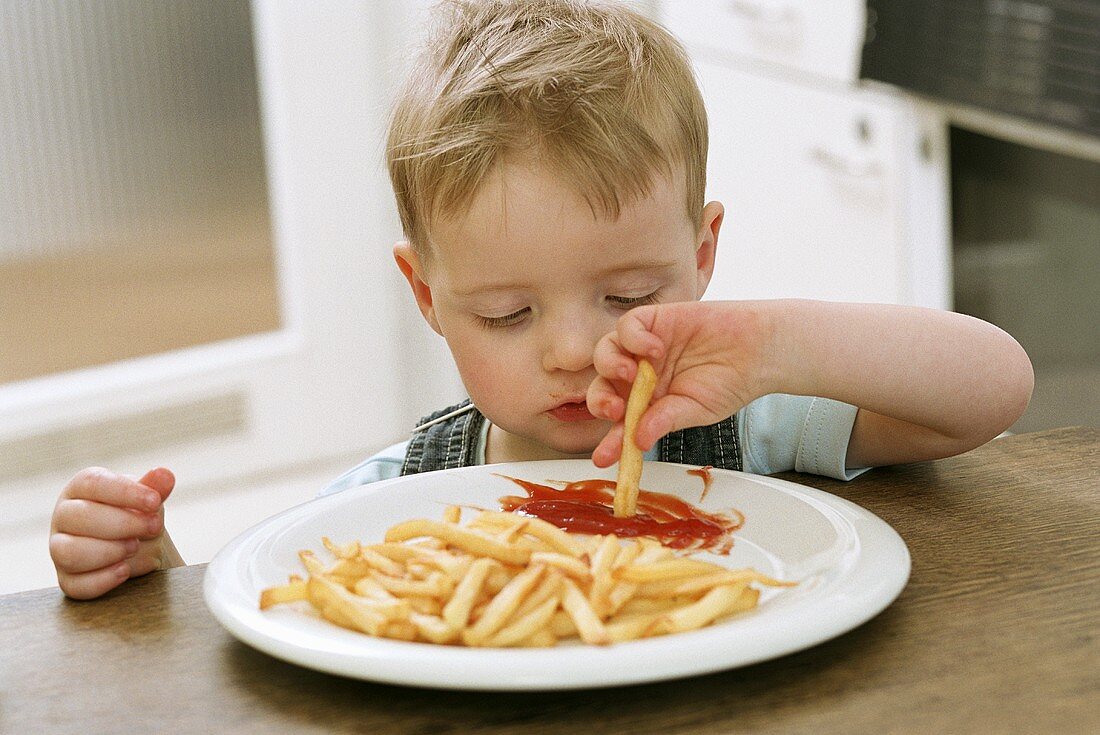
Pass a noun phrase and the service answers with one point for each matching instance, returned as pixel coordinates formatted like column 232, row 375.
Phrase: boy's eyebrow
column 487, row 289
column 644, row 265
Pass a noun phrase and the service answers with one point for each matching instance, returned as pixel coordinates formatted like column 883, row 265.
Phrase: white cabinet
column 815, row 183
column 832, row 190
column 816, row 37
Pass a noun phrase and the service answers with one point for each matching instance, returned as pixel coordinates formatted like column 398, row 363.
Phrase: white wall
column 354, row 368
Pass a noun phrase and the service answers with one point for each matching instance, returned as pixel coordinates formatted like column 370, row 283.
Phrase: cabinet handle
column 844, row 165
column 763, row 13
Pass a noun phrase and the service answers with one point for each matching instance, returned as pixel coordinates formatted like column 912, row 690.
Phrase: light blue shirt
column 778, row 432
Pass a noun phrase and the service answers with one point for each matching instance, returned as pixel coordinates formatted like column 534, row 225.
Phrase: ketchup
column 586, row 506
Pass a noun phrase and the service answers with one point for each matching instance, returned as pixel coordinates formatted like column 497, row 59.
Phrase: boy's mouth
column 571, row 411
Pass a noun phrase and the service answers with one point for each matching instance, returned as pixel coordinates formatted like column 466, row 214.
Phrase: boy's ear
column 707, row 244
column 413, row 270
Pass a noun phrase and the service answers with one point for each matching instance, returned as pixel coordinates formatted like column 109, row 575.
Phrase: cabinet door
column 811, row 183
column 809, row 37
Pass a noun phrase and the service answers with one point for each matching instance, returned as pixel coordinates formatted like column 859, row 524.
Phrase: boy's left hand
column 709, row 358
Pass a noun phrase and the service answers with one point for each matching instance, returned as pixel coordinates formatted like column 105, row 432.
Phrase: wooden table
column 995, row 633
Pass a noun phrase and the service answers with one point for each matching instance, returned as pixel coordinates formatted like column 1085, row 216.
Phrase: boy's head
column 599, row 95
column 548, row 159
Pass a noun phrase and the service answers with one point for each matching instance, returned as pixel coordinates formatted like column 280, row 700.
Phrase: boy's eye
column 503, row 321
column 632, row 301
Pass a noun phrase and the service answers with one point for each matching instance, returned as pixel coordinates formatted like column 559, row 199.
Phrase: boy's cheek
column 491, row 370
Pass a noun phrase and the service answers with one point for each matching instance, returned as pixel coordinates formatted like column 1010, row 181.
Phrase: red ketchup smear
column 704, row 474
column 586, row 506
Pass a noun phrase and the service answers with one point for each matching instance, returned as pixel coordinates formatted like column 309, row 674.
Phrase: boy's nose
column 569, row 346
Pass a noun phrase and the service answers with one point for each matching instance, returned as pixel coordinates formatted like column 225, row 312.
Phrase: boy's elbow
column 1006, row 397
column 1021, row 384
column 1013, row 390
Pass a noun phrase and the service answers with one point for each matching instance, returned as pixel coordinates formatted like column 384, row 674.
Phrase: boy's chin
column 544, row 444
column 574, row 449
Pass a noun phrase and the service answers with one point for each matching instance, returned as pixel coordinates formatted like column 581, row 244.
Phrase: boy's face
column 525, row 283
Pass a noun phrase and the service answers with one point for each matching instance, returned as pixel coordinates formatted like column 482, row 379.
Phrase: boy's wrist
column 782, row 364
column 770, row 321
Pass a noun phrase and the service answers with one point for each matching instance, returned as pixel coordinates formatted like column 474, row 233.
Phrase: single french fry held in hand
column 509, row 580
column 630, row 460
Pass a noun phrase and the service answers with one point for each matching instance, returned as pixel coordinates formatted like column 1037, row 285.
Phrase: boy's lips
column 571, row 411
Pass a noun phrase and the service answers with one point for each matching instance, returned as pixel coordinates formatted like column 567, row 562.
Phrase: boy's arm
column 928, row 383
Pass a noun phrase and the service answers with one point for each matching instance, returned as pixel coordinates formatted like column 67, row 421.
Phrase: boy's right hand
column 107, row 528
column 711, row 359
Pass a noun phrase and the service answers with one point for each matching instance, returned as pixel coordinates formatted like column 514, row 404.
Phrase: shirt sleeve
column 781, row 432
column 381, row 466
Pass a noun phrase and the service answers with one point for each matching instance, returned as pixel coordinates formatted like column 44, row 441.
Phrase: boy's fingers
column 608, row 450
column 603, row 401
column 145, row 561
column 665, row 415
column 93, row 584
column 79, row 554
column 635, row 335
column 612, row 361
column 103, row 486
column 96, row 520
column 159, row 479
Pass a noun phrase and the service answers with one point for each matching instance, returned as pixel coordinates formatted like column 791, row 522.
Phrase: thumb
column 160, row 479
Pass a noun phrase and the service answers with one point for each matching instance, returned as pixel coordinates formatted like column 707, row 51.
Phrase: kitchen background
column 195, row 231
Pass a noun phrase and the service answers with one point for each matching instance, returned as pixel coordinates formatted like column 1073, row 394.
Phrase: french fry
column 398, row 552
column 434, row 628
column 425, row 605
column 452, row 514
column 647, row 605
column 310, row 561
column 293, row 590
column 541, row 639
column 588, row 623
column 620, row 594
column 708, row 608
column 678, row 586
column 602, row 561
column 343, row 607
column 631, row 627
column 502, row 605
column 669, row 569
column 457, row 610
column 561, row 625
column 570, row 565
column 454, row 566
column 463, row 538
column 549, row 587
column 402, row 630
column 630, row 460
column 525, row 625
column 556, row 538
column 509, row 534
column 349, row 550
column 437, row 584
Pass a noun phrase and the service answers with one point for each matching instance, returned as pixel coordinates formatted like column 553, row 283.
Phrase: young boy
column 548, row 159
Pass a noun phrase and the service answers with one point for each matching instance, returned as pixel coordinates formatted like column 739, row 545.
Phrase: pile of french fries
column 505, row 580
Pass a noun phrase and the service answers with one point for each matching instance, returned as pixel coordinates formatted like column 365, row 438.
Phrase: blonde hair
column 605, row 97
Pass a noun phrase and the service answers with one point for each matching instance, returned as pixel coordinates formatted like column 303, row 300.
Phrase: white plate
column 849, row 565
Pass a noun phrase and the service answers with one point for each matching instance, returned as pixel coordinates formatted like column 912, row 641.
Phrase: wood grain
column 996, row 632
